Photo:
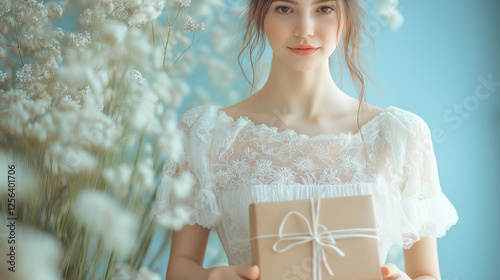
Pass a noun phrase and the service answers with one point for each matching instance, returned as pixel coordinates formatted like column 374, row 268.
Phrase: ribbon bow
column 320, row 236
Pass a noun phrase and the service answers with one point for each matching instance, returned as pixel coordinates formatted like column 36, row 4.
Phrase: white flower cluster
column 144, row 11
column 38, row 254
column 93, row 18
column 189, row 25
column 3, row 77
column 94, row 108
column 27, row 184
column 103, row 215
column 3, row 54
column 181, row 3
column 55, row 10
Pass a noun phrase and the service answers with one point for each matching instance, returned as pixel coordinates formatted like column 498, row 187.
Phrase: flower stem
column 129, row 193
column 17, row 34
column 192, row 43
column 110, row 262
column 170, row 25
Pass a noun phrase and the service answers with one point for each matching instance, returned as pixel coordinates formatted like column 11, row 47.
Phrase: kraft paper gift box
column 336, row 218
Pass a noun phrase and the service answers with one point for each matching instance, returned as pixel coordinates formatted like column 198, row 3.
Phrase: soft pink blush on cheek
column 275, row 29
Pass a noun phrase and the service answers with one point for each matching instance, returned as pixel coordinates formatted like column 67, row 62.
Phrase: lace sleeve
column 176, row 206
column 427, row 209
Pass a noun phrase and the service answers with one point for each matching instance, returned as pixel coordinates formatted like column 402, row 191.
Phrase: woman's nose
column 304, row 26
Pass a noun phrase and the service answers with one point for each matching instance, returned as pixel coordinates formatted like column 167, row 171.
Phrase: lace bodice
column 236, row 162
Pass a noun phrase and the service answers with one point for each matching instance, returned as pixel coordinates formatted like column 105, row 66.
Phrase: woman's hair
column 349, row 12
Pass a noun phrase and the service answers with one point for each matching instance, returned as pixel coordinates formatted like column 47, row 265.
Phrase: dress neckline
column 293, row 133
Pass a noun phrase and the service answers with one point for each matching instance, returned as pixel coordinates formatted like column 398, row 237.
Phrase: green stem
column 17, row 34
column 146, row 237
column 153, row 31
column 192, row 43
column 166, row 46
column 69, row 254
column 111, row 260
column 84, row 256
column 170, row 25
column 139, row 149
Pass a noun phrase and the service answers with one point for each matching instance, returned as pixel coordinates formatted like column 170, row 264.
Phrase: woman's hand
column 392, row 272
column 235, row 272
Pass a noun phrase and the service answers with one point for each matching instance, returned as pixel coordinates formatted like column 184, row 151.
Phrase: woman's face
column 290, row 23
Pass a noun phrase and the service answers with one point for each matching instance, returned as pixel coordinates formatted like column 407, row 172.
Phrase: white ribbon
column 321, row 239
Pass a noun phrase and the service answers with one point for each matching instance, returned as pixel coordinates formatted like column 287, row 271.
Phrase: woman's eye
column 327, row 8
column 279, row 8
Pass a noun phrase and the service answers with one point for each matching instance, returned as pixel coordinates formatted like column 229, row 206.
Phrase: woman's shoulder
column 406, row 121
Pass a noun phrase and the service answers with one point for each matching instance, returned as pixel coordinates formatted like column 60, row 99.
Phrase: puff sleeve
column 426, row 211
column 177, row 207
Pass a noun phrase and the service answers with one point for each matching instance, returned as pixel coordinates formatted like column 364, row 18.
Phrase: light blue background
column 431, row 65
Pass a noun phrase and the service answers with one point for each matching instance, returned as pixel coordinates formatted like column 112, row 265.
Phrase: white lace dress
column 237, row 162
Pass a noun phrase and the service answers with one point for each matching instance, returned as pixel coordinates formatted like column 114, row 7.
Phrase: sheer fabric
column 237, row 162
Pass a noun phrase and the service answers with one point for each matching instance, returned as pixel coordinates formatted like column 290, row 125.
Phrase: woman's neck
column 302, row 94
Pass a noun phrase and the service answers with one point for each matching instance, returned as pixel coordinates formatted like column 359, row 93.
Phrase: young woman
column 301, row 135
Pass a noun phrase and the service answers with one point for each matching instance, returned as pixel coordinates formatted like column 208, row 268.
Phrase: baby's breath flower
column 3, row 54
column 93, row 18
column 137, row 76
column 5, row 6
column 85, row 91
column 200, row 26
column 107, row 5
column 79, row 40
column 59, row 33
column 26, row 185
column 147, row 274
column 103, row 215
column 182, row 3
column 55, row 11
column 189, row 25
column 114, row 33
column 24, row 76
column 38, row 254
column 144, row 176
column 3, row 77
column 68, row 160
column 119, row 178
column 120, row 13
column 124, row 272
column 144, row 11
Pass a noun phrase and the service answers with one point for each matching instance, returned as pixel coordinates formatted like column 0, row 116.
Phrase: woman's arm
column 421, row 262
column 186, row 258
column 187, row 253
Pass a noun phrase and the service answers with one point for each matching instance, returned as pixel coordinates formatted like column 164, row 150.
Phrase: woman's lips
column 303, row 51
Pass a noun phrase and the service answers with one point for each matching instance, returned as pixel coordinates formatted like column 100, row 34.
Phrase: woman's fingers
column 392, row 272
column 388, row 270
column 247, row 270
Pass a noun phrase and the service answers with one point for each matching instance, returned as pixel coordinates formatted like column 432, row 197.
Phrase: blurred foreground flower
column 388, row 10
column 38, row 255
column 87, row 118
